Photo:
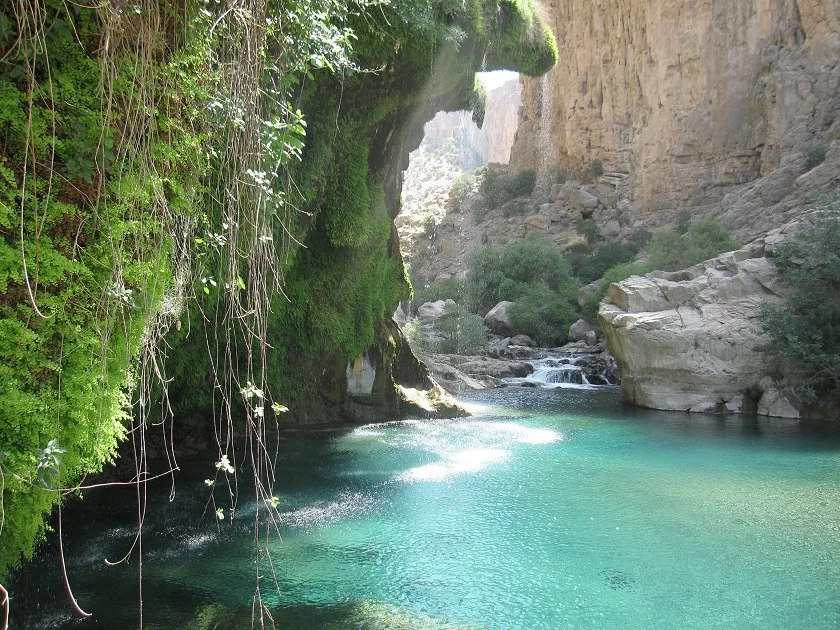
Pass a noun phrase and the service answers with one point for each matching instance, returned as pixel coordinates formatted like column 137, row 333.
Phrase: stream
column 552, row 507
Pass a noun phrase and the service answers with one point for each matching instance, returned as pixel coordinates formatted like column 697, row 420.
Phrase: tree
column 808, row 330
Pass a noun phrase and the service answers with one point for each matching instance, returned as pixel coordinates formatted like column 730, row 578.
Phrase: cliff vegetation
column 196, row 206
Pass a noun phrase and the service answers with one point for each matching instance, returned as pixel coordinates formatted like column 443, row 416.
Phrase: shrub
column 545, row 316
column 808, row 332
column 464, row 331
column 452, row 289
column 577, row 255
column 683, row 222
column 498, row 188
column 640, row 238
column 514, row 207
column 594, row 170
column 588, row 229
column 815, row 157
column 604, row 258
column 670, row 251
column 506, row 274
column 460, row 192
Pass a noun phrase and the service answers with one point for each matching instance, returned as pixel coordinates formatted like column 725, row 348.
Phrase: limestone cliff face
column 684, row 101
column 690, row 340
column 493, row 141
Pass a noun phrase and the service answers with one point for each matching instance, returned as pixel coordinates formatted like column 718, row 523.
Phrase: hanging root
column 73, row 601
column 6, row 606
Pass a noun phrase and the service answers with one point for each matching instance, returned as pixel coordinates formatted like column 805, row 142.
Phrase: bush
column 808, row 332
column 460, row 192
column 640, row 238
column 498, row 188
column 536, row 277
column 465, row 331
column 452, row 289
column 588, row 229
column 604, row 258
column 683, row 222
column 577, row 255
column 545, row 316
column 507, row 274
column 594, row 170
column 670, row 251
column 513, row 208
column 815, row 157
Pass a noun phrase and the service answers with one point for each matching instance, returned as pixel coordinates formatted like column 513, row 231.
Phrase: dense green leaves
column 808, row 332
column 704, row 239
column 534, row 275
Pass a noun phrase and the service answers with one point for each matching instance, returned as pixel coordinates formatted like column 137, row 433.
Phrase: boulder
column 775, row 402
column 585, row 291
column 690, row 340
column 578, row 330
column 523, row 340
column 611, row 230
column 497, row 368
column 430, row 312
column 498, row 320
column 591, row 338
column 537, row 222
column 581, row 200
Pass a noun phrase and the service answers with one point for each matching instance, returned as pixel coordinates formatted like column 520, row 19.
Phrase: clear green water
column 548, row 509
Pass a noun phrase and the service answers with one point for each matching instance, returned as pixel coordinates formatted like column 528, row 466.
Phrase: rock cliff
column 687, row 103
column 690, row 340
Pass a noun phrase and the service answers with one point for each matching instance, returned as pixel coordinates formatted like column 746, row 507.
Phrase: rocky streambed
column 504, row 364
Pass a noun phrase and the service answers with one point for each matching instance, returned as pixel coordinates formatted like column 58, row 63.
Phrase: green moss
column 520, row 40
column 96, row 256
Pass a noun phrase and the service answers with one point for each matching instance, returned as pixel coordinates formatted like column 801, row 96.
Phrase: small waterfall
column 552, row 372
column 545, row 147
column 556, row 372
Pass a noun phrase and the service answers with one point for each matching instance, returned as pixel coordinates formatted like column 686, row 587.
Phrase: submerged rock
column 690, row 340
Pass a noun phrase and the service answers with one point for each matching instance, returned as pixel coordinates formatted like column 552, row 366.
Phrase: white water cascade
column 552, row 372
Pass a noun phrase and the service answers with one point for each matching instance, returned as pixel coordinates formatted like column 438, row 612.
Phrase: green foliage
column 576, row 256
column 458, row 332
column 99, row 273
column 815, row 157
column 808, row 332
column 605, row 257
column 498, row 188
column 683, row 221
column 462, row 189
column 453, row 289
column 640, row 238
column 594, row 170
column 347, row 208
column 614, row 274
column 588, row 229
column 534, row 275
column 671, row 251
column 545, row 316
column 518, row 22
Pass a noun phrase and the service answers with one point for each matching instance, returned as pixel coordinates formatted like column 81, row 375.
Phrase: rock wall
column 690, row 340
column 684, row 101
column 494, row 140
